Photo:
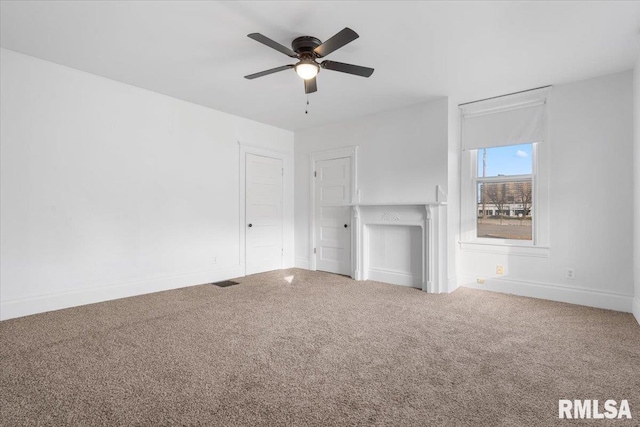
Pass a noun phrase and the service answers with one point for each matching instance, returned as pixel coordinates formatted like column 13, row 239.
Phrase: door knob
column 345, row 226
column 250, row 225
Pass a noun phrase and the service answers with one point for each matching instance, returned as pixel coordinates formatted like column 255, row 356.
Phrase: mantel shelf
column 398, row 204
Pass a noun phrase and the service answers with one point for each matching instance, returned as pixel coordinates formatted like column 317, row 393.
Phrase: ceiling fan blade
column 272, row 44
column 344, row 37
column 267, row 72
column 347, row 68
column 310, row 85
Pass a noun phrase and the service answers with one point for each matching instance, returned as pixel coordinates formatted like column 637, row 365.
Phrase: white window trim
column 506, row 249
column 539, row 245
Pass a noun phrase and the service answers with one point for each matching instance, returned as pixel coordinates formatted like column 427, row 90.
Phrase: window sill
column 506, row 249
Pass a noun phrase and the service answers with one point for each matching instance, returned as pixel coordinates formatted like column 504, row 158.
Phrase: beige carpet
column 324, row 350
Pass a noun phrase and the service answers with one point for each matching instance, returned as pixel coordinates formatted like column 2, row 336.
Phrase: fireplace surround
column 386, row 233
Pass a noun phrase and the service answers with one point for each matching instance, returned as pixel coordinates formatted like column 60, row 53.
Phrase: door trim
column 350, row 152
column 258, row 151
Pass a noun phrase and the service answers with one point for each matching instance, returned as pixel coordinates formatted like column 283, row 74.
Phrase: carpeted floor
column 323, row 350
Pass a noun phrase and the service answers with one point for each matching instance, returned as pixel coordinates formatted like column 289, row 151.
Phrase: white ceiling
column 199, row 52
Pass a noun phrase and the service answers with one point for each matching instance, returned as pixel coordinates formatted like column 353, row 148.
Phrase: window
column 504, row 183
column 504, row 173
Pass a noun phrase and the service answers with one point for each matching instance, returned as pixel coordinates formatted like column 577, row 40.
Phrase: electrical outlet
column 480, row 281
column 570, row 273
column 499, row 270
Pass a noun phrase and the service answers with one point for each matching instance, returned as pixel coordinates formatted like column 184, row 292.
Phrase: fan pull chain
column 306, row 110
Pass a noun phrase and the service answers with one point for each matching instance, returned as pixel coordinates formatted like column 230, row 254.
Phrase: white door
column 263, row 213
column 332, row 215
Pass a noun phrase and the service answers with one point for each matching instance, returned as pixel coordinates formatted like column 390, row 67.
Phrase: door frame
column 351, row 153
column 258, row 151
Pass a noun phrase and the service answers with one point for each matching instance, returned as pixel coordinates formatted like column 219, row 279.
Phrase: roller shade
column 507, row 120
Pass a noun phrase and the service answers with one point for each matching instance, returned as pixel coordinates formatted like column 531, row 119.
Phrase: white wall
column 453, row 208
column 636, row 188
column 402, row 156
column 590, row 205
column 109, row 190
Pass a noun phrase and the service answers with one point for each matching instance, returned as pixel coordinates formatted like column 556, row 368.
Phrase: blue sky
column 510, row 160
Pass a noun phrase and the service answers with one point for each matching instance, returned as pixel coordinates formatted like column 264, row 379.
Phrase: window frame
column 539, row 243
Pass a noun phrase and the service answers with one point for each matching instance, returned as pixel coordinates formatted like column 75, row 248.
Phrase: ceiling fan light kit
column 307, row 70
column 307, row 50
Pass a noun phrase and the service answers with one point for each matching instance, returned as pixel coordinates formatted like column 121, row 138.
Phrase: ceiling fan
column 307, row 50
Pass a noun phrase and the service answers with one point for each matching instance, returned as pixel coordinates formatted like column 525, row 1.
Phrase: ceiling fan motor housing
column 305, row 44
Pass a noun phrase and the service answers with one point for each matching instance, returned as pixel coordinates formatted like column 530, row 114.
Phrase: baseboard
column 41, row 303
column 303, row 263
column 289, row 264
column 395, row 277
column 636, row 308
column 452, row 284
column 588, row 297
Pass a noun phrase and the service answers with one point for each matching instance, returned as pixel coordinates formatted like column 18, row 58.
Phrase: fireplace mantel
column 426, row 218
column 400, row 204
